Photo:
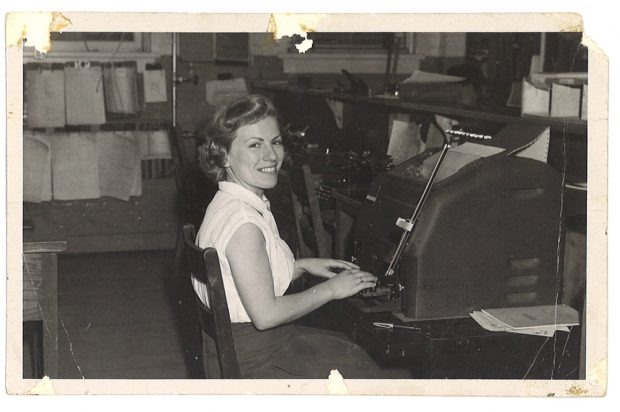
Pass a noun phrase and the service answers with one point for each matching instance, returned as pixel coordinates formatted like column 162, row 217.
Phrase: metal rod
column 174, row 80
column 416, row 213
column 543, row 51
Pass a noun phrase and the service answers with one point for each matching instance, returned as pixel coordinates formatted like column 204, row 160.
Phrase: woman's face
column 256, row 155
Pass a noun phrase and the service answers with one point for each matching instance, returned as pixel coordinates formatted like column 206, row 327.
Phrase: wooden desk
column 40, row 296
column 461, row 349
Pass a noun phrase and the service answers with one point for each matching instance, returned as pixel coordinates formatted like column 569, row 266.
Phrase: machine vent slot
column 520, row 281
column 521, row 297
column 523, row 264
column 525, row 193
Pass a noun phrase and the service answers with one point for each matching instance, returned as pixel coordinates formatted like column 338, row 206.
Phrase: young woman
column 243, row 153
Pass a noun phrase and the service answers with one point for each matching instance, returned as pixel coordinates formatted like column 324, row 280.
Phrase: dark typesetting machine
column 485, row 235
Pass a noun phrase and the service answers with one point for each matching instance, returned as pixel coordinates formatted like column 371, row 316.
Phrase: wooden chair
column 312, row 237
column 204, row 264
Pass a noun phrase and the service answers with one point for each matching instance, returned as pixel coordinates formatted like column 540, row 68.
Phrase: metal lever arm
column 409, row 225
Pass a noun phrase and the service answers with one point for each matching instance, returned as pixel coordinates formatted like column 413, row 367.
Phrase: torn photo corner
column 99, row 301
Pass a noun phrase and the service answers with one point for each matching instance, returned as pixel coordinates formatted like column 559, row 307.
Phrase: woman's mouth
column 268, row 170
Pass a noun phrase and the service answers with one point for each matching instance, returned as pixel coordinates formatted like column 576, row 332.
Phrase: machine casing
column 489, row 236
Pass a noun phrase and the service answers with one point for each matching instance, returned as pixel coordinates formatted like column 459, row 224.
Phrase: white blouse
column 233, row 206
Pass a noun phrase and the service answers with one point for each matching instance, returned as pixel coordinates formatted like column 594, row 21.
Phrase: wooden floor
column 124, row 315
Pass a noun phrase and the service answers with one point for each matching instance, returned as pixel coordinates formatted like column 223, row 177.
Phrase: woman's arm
column 251, row 271
column 321, row 267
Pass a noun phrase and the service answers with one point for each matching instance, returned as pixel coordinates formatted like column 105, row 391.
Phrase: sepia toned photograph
column 333, row 203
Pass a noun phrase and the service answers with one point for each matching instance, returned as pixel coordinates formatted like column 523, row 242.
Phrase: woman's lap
column 314, row 353
column 300, row 352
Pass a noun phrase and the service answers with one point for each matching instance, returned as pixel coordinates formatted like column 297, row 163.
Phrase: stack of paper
column 530, row 320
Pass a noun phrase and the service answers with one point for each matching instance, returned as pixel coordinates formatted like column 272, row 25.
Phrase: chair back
column 195, row 190
column 204, row 264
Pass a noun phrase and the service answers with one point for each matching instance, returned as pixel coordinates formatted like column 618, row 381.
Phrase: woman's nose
column 269, row 153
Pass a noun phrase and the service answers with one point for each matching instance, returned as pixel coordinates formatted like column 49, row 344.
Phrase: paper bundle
column 530, row 320
column 121, row 90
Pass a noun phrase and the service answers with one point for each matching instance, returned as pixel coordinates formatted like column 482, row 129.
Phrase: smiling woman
column 243, row 153
column 256, row 155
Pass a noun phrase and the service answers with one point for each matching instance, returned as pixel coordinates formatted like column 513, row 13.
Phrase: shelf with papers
column 459, row 111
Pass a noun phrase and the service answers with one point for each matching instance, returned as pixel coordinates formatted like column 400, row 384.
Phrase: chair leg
column 178, row 253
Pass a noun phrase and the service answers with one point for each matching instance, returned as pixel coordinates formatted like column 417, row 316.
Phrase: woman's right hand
column 349, row 282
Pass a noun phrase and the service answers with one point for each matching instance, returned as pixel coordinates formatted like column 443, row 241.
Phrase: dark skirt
column 290, row 352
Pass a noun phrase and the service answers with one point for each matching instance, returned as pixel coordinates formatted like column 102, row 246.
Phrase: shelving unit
column 106, row 224
column 568, row 145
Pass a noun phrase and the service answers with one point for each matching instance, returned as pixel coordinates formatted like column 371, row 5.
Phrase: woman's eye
column 277, row 142
column 254, row 145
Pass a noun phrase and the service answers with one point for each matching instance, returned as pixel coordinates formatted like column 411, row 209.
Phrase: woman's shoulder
column 225, row 205
column 227, row 213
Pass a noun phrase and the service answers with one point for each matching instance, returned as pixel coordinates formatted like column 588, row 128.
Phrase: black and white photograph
column 333, row 203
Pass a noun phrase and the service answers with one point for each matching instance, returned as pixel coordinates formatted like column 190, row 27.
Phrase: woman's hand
column 326, row 268
column 349, row 282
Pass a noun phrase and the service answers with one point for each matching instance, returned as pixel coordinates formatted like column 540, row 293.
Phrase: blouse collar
column 245, row 195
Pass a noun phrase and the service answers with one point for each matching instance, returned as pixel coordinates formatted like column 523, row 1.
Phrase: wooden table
column 40, row 274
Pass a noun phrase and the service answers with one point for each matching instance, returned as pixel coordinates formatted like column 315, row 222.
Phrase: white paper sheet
column 45, row 91
column 154, row 144
column 535, row 316
column 539, row 149
column 419, row 76
column 491, row 324
column 404, row 141
column 118, row 157
column 584, row 103
column 534, row 99
column 337, row 108
column 159, row 145
column 219, row 92
column 155, row 86
column 37, row 168
column 459, row 157
column 75, row 174
column 565, row 101
column 84, row 95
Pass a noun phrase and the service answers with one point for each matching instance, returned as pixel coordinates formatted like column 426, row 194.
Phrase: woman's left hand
column 326, row 268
